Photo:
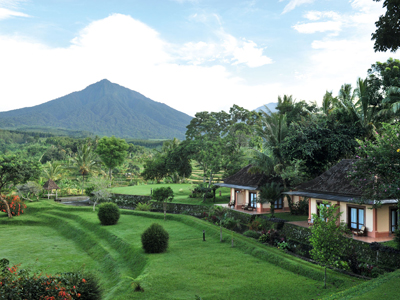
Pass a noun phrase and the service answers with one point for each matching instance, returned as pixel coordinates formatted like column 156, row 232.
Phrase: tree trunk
column 325, row 279
column 110, row 173
column 165, row 210
column 220, row 231
column 7, row 207
column 272, row 209
column 83, row 183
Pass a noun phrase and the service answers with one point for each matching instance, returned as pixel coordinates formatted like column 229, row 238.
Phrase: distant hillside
column 271, row 106
column 103, row 108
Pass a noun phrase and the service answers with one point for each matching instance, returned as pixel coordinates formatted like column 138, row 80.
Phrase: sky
column 193, row 55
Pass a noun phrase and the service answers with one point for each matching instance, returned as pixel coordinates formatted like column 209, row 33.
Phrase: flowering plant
column 16, row 205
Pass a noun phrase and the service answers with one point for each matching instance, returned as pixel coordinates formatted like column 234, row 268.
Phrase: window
column 356, row 217
column 394, row 221
column 279, row 204
column 253, row 200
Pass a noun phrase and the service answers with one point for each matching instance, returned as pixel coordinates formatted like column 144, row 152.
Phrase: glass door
column 394, row 222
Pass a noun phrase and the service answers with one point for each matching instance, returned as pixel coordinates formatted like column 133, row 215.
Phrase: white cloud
column 294, row 3
column 316, row 15
column 129, row 53
column 334, row 60
column 228, row 50
column 7, row 13
column 319, row 27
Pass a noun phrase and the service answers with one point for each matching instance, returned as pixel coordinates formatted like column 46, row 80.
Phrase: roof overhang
column 234, row 186
column 342, row 198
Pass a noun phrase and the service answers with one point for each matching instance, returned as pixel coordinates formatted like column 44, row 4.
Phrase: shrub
column 143, row 206
column 397, row 238
column 155, row 239
column 258, row 224
column 252, row 234
column 271, row 237
column 108, row 213
column 300, row 208
column 16, row 205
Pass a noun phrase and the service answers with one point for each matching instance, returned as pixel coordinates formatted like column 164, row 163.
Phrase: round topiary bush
column 155, row 239
column 108, row 213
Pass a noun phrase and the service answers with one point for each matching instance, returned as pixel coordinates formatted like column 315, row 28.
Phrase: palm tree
column 85, row 162
column 170, row 145
column 219, row 212
column 52, row 170
column 392, row 102
column 357, row 105
column 270, row 193
column 328, row 103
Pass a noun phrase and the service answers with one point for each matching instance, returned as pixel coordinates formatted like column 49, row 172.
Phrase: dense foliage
column 155, row 239
column 387, row 34
column 108, row 213
column 378, row 167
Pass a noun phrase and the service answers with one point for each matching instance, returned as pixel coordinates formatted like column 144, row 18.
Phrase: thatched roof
column 50, row 185
column 334, row 181
column 245, row 179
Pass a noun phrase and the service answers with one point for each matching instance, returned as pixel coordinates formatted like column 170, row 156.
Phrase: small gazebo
column 49, row 186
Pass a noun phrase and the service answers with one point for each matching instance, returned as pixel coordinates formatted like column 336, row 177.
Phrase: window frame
column 349, row 221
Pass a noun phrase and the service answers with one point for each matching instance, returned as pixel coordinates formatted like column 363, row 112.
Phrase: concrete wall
column 382, row 216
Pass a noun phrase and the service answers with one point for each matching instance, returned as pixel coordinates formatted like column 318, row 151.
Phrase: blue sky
column 193, row 55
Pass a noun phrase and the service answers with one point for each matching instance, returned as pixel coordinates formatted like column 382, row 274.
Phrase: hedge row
column 129, row 201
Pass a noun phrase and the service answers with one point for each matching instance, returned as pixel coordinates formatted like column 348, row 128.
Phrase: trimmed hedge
column 155, row 239
column 108, row 213
column 129, row 201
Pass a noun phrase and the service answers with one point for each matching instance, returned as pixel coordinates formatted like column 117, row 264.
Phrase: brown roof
column 245, row 178
column 333, row 181
column 50, row 185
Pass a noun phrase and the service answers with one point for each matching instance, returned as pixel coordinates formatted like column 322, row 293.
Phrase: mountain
column 271, row 106
column 103, row 108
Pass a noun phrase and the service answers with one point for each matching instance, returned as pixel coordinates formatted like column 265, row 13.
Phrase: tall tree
column 13, row 171
column 216, row 139
column 387, row 34
column 112, row 151
column 377, row 171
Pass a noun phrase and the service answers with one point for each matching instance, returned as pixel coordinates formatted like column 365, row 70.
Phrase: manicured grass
column 181, row 193
column 211, row 269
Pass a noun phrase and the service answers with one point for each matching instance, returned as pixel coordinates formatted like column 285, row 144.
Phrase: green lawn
column 181, row 193
column 62, row 238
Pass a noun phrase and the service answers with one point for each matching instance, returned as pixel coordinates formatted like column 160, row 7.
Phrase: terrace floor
column 253, row 212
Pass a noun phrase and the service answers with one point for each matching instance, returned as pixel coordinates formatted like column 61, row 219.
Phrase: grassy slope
column 384, row 287
column 210, row 269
